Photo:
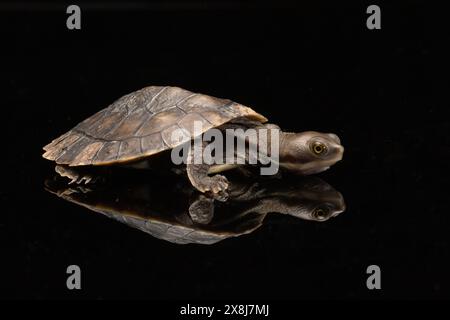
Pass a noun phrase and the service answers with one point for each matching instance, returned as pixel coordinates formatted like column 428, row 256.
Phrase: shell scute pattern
column 140, row 124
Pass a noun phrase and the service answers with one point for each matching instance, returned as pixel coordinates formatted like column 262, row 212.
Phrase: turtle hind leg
column 74, row 175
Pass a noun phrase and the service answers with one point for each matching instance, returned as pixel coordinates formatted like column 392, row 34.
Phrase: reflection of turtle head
column 308, row 198
column 319, row 201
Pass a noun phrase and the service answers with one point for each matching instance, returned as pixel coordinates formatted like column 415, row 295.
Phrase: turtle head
column 309, row 152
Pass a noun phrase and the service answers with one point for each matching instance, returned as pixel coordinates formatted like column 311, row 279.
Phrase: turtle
column 175, row 211
column 140, row 125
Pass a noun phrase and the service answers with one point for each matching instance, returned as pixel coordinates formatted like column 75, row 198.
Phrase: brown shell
column 140, row 124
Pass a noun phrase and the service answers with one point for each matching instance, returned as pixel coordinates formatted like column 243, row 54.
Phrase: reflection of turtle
column 195, row 218
column 141, row 124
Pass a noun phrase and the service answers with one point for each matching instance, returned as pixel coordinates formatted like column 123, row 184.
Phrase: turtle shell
column 141, row 124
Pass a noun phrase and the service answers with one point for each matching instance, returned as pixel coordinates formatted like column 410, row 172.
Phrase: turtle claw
column 73, row 179
column 218, row 183
column 87, row 179
column 217, row 186
column 221, row 196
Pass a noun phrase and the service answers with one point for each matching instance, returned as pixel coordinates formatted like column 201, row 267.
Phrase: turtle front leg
column 198, row 175
column 73, row 175
column 217, row 184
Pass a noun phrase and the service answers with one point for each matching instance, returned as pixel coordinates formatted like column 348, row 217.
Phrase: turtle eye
column 320, row 213
column 318, row 148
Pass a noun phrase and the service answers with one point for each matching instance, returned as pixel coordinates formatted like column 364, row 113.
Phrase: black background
column 306, row 67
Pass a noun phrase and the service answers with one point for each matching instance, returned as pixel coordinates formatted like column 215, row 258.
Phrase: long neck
column 284, row 140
